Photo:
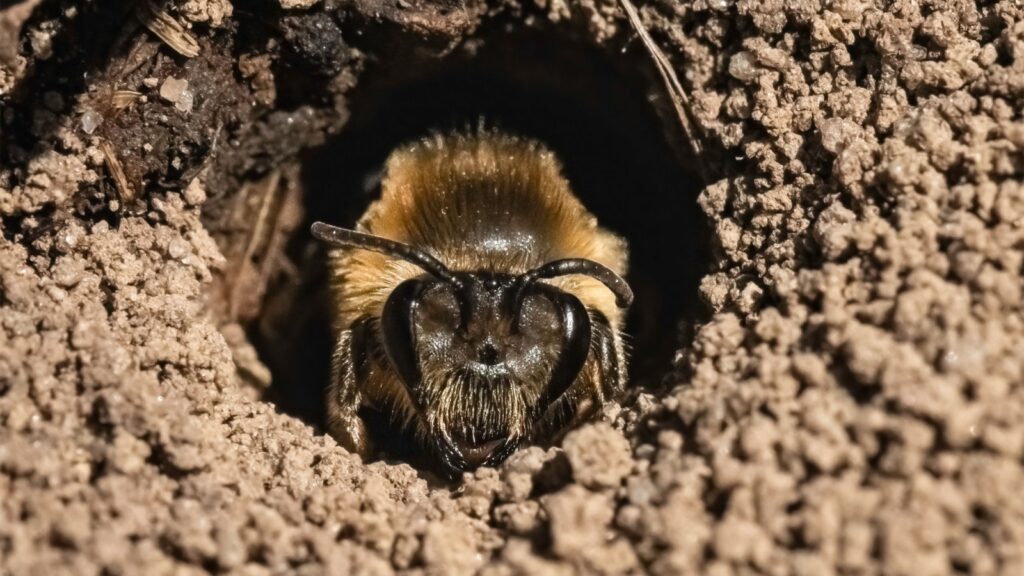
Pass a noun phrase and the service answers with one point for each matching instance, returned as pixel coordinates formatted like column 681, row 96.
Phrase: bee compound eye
column 576, row 331
column 398, row 330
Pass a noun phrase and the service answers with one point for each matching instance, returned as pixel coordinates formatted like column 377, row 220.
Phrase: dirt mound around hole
column 851, row 403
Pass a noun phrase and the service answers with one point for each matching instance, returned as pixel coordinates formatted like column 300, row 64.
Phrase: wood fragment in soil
column 268, row 211
column 122, row 99
column 165, row 27
column 680, row 100
column 125, row 194
column 11, row 20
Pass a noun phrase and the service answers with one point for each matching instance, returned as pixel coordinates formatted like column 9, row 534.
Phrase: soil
column 843, row 293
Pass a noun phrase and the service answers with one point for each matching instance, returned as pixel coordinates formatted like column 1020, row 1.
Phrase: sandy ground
column 853, row 403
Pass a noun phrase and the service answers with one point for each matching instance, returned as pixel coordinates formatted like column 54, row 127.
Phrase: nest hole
column 594, row 107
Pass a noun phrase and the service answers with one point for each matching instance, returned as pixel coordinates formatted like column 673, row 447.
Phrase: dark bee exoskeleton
column 478, row 304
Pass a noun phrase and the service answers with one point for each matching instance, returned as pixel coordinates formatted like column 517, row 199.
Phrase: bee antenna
column 623, row 293
column 345, row 238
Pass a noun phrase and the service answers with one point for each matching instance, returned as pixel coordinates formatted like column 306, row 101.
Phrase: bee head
column 483, row 356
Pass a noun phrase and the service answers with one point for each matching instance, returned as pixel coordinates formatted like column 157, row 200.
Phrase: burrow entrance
column 592, row 106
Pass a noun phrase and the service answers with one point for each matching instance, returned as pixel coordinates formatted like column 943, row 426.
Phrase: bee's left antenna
column 344, row 238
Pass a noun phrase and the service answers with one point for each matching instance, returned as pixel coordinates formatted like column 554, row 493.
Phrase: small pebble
column 176, row 91
column 91, row 120
column 177, row 249
column 743, row 66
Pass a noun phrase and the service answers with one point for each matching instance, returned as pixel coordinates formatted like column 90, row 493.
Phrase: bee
column 478, row 304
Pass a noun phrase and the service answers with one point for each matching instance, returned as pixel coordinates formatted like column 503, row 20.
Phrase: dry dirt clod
column 599, row 456
column 293, row 4
column 12, row 18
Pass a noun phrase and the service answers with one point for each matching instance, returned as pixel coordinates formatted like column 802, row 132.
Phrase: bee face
column 483, row 360
column 472, row 304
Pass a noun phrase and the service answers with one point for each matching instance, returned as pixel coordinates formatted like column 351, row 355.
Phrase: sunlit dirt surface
column 846, row 396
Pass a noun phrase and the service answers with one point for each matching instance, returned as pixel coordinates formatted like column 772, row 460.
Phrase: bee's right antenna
column 608, row 277
column 344, row 238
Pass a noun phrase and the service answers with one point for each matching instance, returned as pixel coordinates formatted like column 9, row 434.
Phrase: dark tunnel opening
column 593, row 108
